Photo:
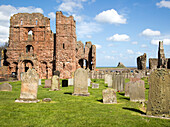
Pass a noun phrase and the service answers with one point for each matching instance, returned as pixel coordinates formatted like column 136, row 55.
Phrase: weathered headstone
column 127, row 89
column 109, row 80
column 47, row 83
column 29, row 87
column 5, row 87
column 109, row 96
column 134, row 79
column 105, row 78
column 81, row 82
column 64, row 83
column 159, row 93
column 55, row 83
column 137, row 91
column 39, row 83
column 70, row 82
column 95, row 86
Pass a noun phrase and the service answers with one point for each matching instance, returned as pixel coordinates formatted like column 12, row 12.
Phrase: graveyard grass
column 74, row 111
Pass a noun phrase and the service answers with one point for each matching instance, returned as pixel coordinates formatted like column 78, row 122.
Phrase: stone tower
column 162, row 63
column 30, row 44
column 65, row 45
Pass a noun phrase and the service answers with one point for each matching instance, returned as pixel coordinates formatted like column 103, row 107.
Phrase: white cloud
column 85, row 29
column 134, row 42
column 109, row 57
column 78, row 18
column 6, row 11
column 149, row 32
column 139, row 53
column 117, row 37
column 156, row 42
column 110, row 16
column 143, row 46
column 129, row 51
column 70, row 6
column 163, row 3
column 98, row 46
column 51, row 15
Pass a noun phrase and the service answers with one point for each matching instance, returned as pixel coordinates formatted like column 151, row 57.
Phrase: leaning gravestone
column 81, row 82
column 47, row 83
column 137, row 91
column 159, row 93
column 109, row 96
column 55, row 83
column 5, row 87
column 29, row 87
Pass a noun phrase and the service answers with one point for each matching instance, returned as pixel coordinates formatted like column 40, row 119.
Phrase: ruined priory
column 32, row 44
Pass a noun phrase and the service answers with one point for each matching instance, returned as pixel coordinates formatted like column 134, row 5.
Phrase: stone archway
column 83, row 63
column 27, row 64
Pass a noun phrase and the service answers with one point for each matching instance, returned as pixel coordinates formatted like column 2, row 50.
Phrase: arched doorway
column 29, row 49
column 27, row 64
column 83, row 63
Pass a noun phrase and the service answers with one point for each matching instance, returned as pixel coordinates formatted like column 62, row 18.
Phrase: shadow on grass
column 101, row 100
column 68, row 93
column 121, row 94
column 135, row 110
column 126, row 98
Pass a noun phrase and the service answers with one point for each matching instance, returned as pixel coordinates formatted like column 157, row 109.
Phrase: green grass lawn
column 66, row 110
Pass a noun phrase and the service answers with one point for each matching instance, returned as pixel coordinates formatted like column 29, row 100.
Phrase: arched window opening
column 29, row 49
column 63, row 46
column 21, row 22
column 63, row 65
column 30, row 35
column 36, row 22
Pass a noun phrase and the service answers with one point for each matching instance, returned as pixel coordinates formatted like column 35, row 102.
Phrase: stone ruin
column 161, row 62
column 159, row 93
column 32, row 44
column 141, row 62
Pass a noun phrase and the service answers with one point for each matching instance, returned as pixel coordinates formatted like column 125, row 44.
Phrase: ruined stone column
column 162, row 63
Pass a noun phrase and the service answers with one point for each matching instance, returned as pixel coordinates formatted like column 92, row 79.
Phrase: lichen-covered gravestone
column 5, row 87
column 29, row 87
column 81, row 82
column 108, row 80
column 109, row 96
column 55, row 83
column 137, row 91
column 159, row 93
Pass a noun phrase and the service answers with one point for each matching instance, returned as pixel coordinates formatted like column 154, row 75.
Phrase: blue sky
column 122, row 30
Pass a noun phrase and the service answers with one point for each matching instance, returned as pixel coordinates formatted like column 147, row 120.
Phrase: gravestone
column 55, row 83
column 134, row 79
column 70, row 82
column 109, row 96
column 159, row 93
column 5, row 87
column 137, row 91
column 109, row 80
column 64, row 83
column 29, row 87
column 81, row 82
column 105, row 78
column 89, row 81
column 47, row 83
column 127, row 89
column 39, row 83
column 95, row 86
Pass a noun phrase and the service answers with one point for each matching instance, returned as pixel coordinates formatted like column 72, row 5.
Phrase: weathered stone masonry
column 32, row 44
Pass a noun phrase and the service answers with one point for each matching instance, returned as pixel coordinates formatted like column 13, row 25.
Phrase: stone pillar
column 162, row 62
